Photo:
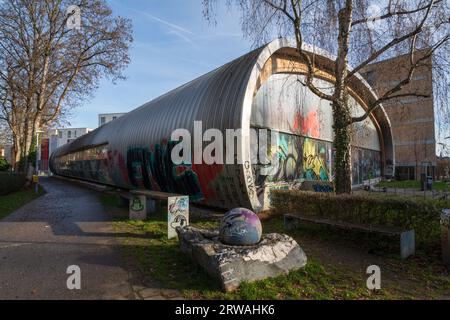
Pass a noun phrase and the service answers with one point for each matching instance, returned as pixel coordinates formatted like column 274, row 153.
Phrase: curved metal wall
column 142, row 136
column 136, row 147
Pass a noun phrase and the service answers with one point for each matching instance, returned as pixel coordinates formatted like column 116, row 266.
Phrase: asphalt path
column 68, row 226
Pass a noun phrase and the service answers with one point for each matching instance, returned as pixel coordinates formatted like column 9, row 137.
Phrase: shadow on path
column 66, row 226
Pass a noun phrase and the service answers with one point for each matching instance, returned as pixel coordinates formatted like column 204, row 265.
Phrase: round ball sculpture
column 240, row 227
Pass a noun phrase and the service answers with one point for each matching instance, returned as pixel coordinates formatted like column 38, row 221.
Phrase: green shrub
column 420, row 214
column 4, row 165
column 11, row 182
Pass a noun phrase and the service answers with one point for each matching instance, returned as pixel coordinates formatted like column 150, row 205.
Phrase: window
column 75, row 133
column 102, row 121
column 69, row 134
column 60, row 134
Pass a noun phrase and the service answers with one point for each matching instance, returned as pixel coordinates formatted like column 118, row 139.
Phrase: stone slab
column 276, row 254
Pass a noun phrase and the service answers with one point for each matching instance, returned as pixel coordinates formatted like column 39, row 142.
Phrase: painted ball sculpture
column 240, row 227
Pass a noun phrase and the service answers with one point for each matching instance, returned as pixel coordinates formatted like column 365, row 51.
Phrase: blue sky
column 172, row 45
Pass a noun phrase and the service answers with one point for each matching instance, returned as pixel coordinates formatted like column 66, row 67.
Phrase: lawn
column 13, row 201
column 340, row 275
column 412, row 184
column 160, row 259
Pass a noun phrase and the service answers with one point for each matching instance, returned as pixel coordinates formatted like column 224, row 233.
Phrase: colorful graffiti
column 315, row 160
column 317, row 186
column 154, row 170
column 323, row 188
column 177, row 214
column 142, row 168
column 296, row 158
column 285, row 160
column 308, row 125
column 117, row 168
column 206, row 175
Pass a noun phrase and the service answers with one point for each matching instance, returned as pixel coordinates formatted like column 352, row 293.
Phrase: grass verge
column 147, row 247
column 13, row 201
column 161, row 259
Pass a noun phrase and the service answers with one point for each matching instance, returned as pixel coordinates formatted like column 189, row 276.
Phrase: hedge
column 11, row 182
column 420, row 214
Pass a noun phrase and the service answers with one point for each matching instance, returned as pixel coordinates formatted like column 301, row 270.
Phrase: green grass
column 146, row 246
column 161, row 259
column 412, row 184
column 15, row 200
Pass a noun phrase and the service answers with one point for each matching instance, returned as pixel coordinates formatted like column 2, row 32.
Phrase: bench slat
column 158, row 195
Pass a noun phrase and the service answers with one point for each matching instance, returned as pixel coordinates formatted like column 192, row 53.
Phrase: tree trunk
column 342, row 164
column 16, row 153
column 341, row 110
column 25, row 144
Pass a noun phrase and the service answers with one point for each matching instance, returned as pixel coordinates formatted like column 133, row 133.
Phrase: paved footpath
column 67, row 226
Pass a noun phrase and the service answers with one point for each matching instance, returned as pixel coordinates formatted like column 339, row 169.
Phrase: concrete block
column 138, row 207
column 407, row 244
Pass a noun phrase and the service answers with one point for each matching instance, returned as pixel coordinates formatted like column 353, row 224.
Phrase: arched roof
column 221, row 99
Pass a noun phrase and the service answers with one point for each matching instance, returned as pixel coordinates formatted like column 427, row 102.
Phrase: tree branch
column 391, row 14
column 392, row 43
column 388, row 95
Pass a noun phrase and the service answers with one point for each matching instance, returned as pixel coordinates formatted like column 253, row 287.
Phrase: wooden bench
column 406, row 237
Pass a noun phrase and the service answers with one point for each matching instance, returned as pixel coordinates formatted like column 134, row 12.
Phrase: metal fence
column 434, row 194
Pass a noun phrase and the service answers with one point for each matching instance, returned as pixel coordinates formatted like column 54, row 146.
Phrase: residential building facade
column 105, row 118
column 412, row 116
column 55, row 138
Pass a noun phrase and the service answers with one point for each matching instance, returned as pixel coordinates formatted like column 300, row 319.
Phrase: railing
column 389, row 191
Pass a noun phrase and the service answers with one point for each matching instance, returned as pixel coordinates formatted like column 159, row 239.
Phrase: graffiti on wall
column 153, row 169
column 307, row 125
column 117, row 167
column 315, row 160
column 177, row 214
column 285, row 160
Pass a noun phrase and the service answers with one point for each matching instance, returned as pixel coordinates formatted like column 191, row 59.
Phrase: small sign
column 35, row 178
column 138, row 208
column 177, row 214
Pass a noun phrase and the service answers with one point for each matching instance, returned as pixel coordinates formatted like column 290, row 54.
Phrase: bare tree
column 48, row 66
column 356, row 36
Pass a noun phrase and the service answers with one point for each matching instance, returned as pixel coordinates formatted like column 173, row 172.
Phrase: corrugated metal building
column 260, row 90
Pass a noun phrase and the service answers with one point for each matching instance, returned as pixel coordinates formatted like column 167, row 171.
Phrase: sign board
column 177, row 214
column 35, row 178
column 138, row 207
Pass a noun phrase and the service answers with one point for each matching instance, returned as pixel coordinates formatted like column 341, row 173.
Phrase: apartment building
column 412, row 117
